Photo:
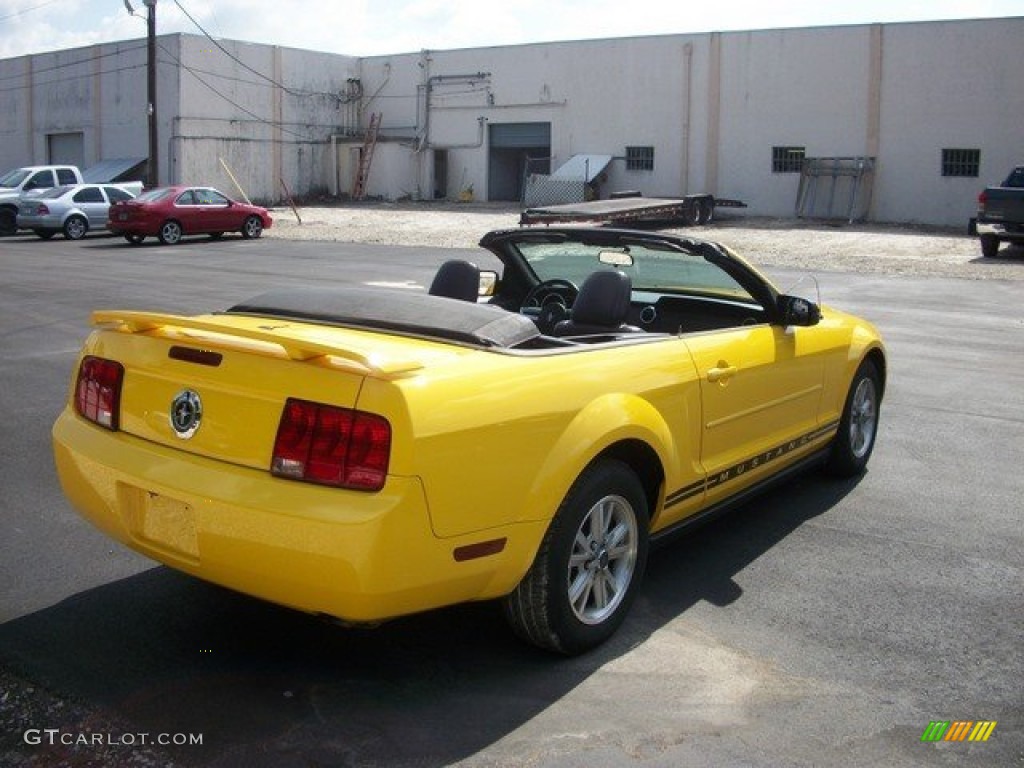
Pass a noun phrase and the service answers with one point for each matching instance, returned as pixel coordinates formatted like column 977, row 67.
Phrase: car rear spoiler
column 227, row 334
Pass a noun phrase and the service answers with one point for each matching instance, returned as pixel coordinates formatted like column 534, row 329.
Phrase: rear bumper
column 39, row 222
column 1006, row 232
column 125, row 228
column 360, row 557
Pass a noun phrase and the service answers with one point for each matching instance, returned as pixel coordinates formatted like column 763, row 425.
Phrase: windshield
column 13, row 178
column 53, row 192
column 651, row 268
column 153, row 195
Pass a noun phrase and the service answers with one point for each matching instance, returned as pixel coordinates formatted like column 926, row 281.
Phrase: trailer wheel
column 707, row 211
column 691, row 213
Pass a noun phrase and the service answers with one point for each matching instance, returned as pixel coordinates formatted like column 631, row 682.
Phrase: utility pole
column 153, row 163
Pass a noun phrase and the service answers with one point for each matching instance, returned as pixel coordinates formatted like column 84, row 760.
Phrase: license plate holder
column 163, row 521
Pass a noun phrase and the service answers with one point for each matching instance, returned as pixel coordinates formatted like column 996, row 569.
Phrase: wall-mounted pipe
column 428, row 89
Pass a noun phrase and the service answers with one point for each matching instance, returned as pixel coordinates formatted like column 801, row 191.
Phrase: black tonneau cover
column 409, row 313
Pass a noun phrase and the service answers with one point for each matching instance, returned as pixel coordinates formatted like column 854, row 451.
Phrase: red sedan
column 169, row 213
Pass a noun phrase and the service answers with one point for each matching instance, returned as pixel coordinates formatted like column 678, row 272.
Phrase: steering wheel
column 557, row 289
column 548, row 302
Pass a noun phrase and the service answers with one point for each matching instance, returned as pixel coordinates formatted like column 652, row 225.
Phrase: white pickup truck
column 34, row 177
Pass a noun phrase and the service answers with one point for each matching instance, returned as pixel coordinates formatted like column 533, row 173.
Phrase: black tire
column 584, row 578
column 75, row 227
column 134, row 239
column 45, row 234
column 858, row 426
column 8, row 221
column 707, row 212
column 691, row 214
column 252, row 227
column 170, row 232
column 989, row 246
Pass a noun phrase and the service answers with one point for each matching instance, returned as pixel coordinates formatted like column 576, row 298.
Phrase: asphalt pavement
column 822, row 624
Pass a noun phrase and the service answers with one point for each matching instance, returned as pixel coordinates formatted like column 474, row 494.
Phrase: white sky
column 369, row 27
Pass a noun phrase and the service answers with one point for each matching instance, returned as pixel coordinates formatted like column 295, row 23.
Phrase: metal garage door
column 66, row 148
column 511, row 146
column 520, row 135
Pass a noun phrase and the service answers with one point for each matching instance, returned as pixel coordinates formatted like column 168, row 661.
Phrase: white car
column 73, row 210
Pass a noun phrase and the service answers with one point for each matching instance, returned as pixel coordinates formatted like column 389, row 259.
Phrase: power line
column 236, row 105
column 41, row 84
column 77, row 62
column 27, row 10
column 290, row 91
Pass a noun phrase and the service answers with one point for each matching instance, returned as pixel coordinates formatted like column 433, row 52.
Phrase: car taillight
column 98, row 391
column 329, row 445
column 982, row 199
column 42, row 210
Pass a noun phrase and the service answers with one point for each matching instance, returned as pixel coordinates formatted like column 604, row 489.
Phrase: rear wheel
column 252, row 227
column 75, row 227
column 170, row 232
column 989, row 246
column 858, row 426
column 589, row 565
column 8, row 221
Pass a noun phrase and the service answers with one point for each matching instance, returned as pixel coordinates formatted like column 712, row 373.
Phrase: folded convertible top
column 393, row 311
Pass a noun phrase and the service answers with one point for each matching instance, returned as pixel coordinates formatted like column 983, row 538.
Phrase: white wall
column 712, row 106
column 788, row 88
column 948, row 85
column 231, row 108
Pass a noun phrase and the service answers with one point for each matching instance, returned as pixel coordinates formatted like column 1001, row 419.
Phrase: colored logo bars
column 958, row 730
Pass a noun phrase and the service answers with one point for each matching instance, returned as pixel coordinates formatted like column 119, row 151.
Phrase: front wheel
column 170, row 233
column 858, row 426
column 252, row 227
column 589, row 565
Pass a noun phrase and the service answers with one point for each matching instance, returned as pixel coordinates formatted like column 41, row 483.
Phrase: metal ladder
column 366, row 157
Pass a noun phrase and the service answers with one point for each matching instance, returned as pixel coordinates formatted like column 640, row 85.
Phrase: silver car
column 73, row 210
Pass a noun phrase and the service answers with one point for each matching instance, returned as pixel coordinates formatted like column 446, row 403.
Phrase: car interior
column 603, row 307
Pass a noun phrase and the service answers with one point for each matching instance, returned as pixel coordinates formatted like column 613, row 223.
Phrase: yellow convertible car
column 520, row 435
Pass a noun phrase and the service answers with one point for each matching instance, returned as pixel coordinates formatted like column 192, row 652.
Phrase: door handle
column 721, row 372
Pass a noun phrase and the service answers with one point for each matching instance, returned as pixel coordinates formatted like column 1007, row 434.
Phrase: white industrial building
column 890, row 122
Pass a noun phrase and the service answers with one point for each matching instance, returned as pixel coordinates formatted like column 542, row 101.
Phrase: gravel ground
column 40, row 729
column 812, row 245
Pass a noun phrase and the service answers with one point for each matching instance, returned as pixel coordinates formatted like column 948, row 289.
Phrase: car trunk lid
column 216, row 385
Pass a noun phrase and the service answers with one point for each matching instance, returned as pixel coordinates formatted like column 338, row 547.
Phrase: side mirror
column 488, row 282
column 794, row 310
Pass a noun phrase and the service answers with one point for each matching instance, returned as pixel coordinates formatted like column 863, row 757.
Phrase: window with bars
column 639, row 158
column 961, row 162
column 788, row 159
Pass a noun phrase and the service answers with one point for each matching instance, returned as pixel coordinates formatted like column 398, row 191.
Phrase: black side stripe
column 684, row 493
column 738, row 470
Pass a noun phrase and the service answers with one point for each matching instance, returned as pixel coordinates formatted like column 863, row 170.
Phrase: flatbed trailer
column 622, row 211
